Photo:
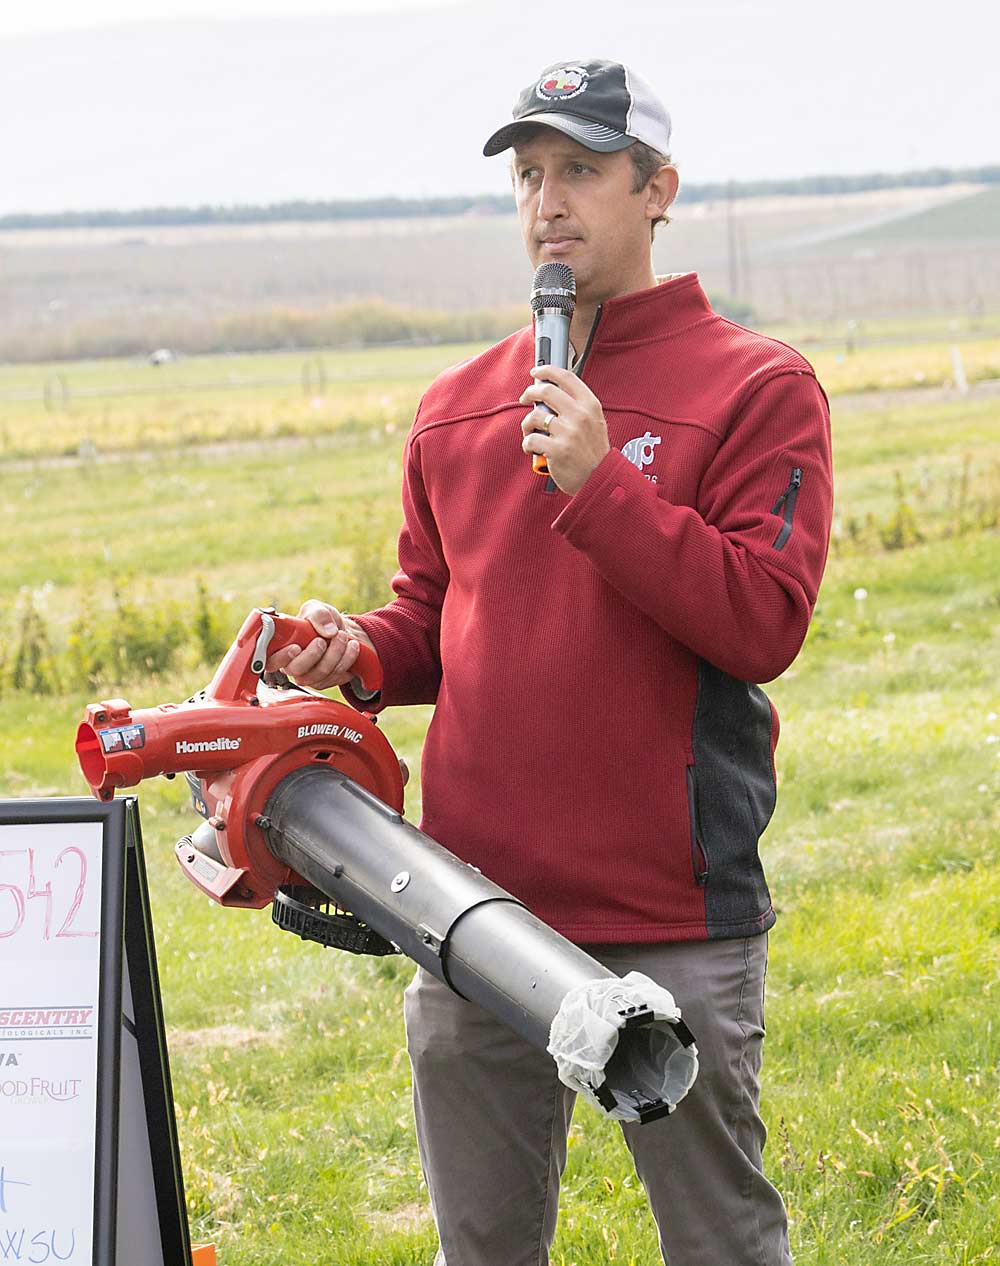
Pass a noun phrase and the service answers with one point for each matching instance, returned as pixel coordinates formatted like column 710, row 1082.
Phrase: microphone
column 553, row 302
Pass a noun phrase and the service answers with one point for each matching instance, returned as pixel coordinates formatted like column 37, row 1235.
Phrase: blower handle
column 295, row 628
column 265, row 631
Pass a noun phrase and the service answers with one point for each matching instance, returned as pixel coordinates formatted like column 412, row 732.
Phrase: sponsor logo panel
column 39, row 1090
column 46, row 1024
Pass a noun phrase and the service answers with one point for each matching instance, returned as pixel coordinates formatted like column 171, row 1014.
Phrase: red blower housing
column 237, row 739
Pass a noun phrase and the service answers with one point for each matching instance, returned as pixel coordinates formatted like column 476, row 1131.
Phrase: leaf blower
column 302, row 801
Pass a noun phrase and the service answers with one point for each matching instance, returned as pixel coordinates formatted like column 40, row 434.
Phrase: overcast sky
column 126, row 103
column 72, row 15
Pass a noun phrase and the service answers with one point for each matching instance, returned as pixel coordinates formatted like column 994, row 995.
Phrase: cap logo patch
column 561, row 84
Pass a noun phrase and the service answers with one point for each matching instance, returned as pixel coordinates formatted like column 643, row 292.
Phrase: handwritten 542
column 20, row 886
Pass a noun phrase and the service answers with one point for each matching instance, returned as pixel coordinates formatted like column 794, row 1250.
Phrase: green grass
column 878, row 368
column 930, row 327
column 882, row 1067
column 125, row 406
column 128, row 406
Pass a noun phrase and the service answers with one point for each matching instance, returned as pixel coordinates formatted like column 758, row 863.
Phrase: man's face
column 577, row 207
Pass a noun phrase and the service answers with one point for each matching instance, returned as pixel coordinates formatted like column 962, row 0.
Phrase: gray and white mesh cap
column 603, row 105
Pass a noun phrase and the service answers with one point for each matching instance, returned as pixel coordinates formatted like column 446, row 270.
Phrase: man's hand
column 328, row 660
column 574, row 437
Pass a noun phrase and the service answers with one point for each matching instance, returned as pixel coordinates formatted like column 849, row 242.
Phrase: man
column 597, row 747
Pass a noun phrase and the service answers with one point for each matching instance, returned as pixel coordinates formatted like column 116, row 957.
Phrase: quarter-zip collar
column 672, row 305
column 651, row 315
column 581, row 361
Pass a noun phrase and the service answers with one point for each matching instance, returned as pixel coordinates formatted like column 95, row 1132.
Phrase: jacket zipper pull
column 794, row 484
column 785, row 505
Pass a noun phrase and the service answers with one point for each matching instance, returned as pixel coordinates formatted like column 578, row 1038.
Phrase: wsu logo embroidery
column 640, row 451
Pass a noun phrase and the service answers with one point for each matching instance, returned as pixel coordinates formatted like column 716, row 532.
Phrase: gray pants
column 492, row 1119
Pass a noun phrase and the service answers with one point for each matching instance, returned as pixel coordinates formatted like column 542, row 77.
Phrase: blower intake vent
column 312, row 917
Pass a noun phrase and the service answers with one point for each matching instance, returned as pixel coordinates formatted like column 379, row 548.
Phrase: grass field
column 128, row 406
column 124, row 406
column 882, row 1067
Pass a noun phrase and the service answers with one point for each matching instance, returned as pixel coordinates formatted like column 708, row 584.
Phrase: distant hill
column 415, row 208
column 124, row 289
column 971, row 219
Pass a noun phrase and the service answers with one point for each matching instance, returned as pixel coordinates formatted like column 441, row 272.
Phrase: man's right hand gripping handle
column 330, row 659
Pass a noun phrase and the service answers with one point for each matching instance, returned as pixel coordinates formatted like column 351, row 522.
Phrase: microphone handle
column 551, row 348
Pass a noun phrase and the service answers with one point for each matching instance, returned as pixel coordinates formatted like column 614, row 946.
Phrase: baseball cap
column 603, row 105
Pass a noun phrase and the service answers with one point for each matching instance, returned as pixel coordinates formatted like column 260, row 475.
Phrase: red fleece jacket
column 597, row 747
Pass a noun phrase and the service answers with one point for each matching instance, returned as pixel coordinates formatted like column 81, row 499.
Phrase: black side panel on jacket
column 735, row 791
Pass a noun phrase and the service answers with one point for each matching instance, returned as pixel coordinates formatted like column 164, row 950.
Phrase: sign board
column 89, row 1164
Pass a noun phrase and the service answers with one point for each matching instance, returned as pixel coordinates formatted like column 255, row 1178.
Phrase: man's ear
column 661, row 191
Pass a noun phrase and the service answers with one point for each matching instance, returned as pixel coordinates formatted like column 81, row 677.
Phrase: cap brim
column 595, row 136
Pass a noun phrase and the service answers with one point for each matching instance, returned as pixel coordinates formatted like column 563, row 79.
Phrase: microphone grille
column 554, row 286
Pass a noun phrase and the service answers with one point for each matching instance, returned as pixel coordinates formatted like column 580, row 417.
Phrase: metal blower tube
column 441, row 912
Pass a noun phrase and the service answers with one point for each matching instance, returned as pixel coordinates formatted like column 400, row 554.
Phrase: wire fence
column 57, row 390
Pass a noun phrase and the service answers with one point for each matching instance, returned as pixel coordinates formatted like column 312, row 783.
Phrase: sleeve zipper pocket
column 785, row 506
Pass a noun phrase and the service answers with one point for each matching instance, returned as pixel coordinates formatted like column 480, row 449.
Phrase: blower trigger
column 259, row 657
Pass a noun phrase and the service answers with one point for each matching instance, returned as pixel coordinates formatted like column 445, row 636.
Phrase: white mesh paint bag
column 585, row 1035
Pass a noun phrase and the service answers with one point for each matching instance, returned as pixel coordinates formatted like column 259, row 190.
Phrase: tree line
column 414, row 208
